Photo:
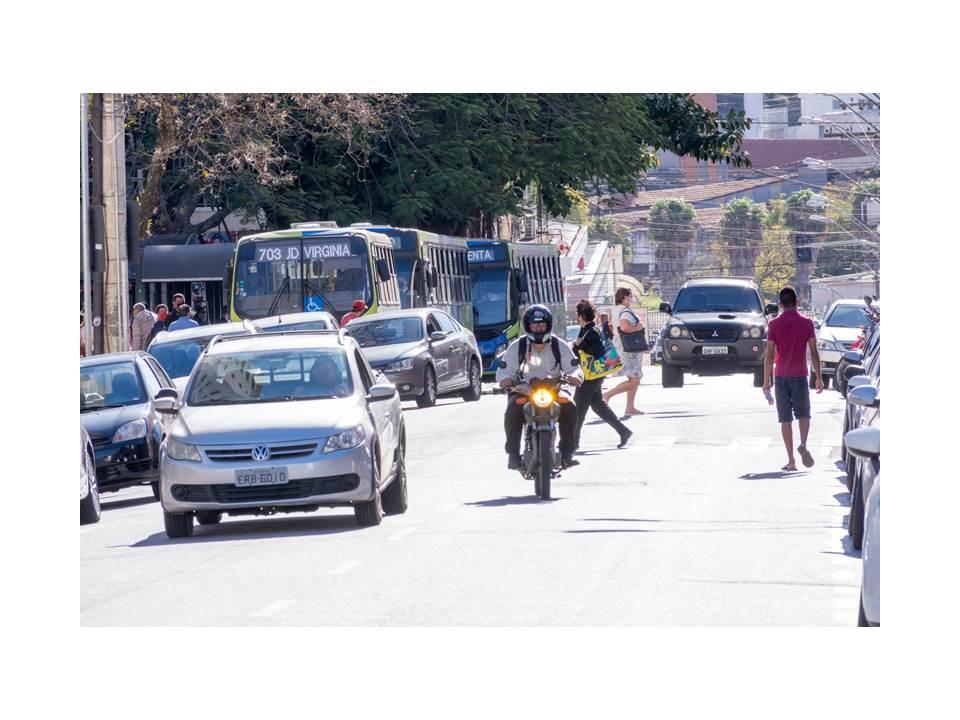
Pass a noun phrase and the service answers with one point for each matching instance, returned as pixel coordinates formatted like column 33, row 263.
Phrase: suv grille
column 245, row 454
column 714, row 334
column 100, row 442
column 293, row 490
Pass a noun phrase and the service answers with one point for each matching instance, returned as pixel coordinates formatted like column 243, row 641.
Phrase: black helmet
column 538, row 314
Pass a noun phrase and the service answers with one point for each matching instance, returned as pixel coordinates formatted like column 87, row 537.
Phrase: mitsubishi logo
column 261, row 453
column 715, row 334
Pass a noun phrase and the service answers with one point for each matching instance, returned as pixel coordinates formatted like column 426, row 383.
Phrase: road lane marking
column 345, row 568
column 400, row 534
column 271, row 609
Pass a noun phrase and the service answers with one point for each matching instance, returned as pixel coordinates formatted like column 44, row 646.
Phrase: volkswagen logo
column 261, row 453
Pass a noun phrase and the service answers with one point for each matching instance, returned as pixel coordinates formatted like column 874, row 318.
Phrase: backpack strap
column 555, row 346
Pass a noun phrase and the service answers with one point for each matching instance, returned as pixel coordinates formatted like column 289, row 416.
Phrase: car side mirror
column 857, row 381
column 816, row 324
column 437, row 335
column 853, row 356
column 167, row 401
column 381, row 391
column 863, row 442
column 864, row 396
column 770, row 309
column 665, row 308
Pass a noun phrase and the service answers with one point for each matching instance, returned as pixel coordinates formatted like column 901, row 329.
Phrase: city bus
column 504, row 279
column 431, row 270
column 310, row 267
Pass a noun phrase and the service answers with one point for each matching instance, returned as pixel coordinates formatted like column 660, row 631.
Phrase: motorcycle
column 540, row 460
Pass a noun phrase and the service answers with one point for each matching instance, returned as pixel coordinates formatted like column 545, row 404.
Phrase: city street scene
column 480, row 360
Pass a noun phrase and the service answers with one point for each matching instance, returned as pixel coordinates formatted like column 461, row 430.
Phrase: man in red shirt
column 789, row 335
column 359, row 307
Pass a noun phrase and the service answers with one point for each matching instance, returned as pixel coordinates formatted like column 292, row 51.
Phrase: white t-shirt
column 631, row 317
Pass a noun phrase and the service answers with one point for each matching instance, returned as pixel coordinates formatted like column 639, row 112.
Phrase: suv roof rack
column 722, row 277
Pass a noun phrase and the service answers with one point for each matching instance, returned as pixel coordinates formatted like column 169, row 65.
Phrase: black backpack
column 522, row 349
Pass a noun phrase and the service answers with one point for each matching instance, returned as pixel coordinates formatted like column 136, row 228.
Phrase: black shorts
column 793, row 398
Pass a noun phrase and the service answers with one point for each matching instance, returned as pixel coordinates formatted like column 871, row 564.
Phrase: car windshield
column 721, row 298
column 270, row 376
column 387, row 332
column 308, row 325
column 179, row 357
column 847, row 316
column 110, row 385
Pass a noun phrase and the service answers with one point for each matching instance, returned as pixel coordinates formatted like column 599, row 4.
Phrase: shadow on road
column 843, row 498
column 234, row 530
column 512, row 500
column 412, row 406
column 773, row 475
column 128, row 503
column 848, row 549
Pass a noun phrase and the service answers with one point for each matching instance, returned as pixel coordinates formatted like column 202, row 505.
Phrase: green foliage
column 741, row 234
column 672, row 226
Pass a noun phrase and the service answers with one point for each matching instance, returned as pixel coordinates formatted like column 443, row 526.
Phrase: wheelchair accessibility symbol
column 312, row 303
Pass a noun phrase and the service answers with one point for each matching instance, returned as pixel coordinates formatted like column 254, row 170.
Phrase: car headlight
column 345, row 440
column 752, row 332
column 131, row 431
column 826, row 345
column 405, row 364
column 177, row 450
column 501, row 348
column 676, row 331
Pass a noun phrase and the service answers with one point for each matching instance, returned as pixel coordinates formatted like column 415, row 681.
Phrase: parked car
column 866, row 466
column 853, row 413
column 717, row 326
column 864, row 443
column 178, row 351
column 89, row 494
column 281, row 423
column 319, row 320
column 117, row 412
column 852, row 362
column 424, row 352
column 836, row 335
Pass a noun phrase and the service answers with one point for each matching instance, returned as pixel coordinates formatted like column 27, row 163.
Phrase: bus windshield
column 491, row 297
column 404, row 267
column 271, row 278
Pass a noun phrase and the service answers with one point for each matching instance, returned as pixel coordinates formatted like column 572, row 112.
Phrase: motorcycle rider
column 547, row 356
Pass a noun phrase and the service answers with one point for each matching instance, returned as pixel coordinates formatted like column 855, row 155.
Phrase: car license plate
column 261, row 476
column 715, row 350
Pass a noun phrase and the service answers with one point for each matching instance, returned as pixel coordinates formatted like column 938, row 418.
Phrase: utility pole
column 85, row 225
column 116, row 310
column 95, row 315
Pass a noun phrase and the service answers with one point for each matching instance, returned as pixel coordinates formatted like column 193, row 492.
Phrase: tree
column 776, row 261
column 803, row 231
column 607, row 228
column 673, row 230
column 741, row 234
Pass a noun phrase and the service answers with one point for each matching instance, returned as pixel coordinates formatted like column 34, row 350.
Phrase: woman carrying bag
column 633, row 343
column 597, row 360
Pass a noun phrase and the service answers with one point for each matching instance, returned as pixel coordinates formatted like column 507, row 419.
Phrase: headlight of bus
column 131, row 431
column 345, row 440
column 177, row 450
column 542, row 398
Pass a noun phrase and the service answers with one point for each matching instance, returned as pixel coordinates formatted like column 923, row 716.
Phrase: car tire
column 428, row 398
column 370, row 513
column 758, row 378
column 671, row 376
column 155, row 488
column 475, row 389
column 855, row 524
column 209, row 517
column 850, row 465
column 90, row 505
column 178, row 525
column 395, row 496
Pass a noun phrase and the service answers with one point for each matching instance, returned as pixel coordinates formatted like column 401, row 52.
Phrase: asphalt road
column 693, row 524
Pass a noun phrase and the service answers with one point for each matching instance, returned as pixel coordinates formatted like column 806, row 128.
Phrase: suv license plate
column 261, row 476
column 715, row 350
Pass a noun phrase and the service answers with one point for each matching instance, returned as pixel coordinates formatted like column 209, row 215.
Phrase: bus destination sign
column 284, row 252
column 484, row 255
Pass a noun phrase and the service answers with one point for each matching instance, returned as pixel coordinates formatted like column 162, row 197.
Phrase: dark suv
column 718, row 326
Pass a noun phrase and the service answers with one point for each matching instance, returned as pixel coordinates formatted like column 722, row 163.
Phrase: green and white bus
column 311, row 267
column 431, row 270
column 505, row 278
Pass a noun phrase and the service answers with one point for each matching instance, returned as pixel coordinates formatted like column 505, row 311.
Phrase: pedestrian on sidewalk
column 161, row 323
column 605, row 327
column 627, row 322
column 141, row 327
column 590, row 393
column 789, row 336
column 184, row 321
column 174, row 315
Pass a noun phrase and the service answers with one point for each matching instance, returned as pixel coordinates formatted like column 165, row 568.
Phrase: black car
column 116, row 409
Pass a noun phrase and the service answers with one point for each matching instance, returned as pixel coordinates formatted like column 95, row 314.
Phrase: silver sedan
column 281, row 423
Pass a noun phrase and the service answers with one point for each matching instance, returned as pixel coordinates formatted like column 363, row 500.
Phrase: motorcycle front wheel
column 545, row 469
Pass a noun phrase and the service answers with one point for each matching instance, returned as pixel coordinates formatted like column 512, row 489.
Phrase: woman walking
column 589, row 393
column 627, row 322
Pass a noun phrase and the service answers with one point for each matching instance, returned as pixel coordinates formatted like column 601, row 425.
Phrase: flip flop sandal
column 805, row 456
column 787, row 468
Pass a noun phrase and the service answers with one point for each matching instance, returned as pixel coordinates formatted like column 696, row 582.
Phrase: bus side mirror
column 383, row 270
column 665, row 308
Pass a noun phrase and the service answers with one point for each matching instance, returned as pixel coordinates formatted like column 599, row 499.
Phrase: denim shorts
column 793, row 398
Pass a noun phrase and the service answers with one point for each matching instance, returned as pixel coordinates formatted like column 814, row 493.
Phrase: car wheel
column 855, row 524
column 758, row 378
column 370, row 513
column 178, row 525
column 671, row 376
column 90, row 506
column 395, row 496
column 155, row 487
column 209, row 517
column 428, row 398
column 475, row 389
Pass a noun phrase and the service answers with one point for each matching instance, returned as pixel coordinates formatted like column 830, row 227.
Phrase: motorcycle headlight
column 542, row 398
column 131, row 431
column 405, row 364
column 345, row 440
column 177, row 450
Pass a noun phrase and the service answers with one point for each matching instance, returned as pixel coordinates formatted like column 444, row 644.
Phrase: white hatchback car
column 839, row 330
column 281, row 422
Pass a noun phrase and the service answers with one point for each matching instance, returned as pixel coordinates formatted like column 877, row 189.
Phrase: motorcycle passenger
column 547, row 356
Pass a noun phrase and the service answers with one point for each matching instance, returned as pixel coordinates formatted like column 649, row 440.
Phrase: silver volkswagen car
column 281, row 422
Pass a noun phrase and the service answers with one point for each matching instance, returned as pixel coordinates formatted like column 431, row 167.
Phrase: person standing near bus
column 359, row 308
column 174, row 315
column 184, row 321
column 141, row 327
